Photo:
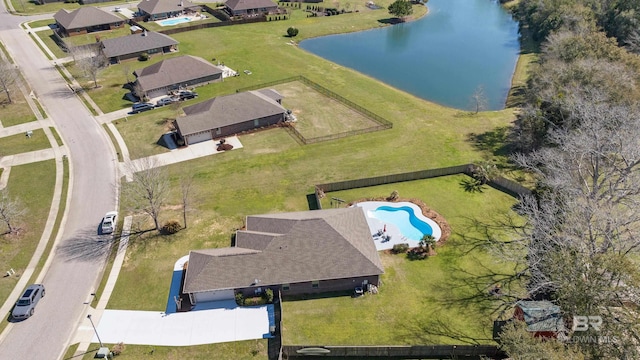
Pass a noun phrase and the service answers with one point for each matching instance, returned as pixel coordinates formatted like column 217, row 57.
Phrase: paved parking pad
column 209, row 323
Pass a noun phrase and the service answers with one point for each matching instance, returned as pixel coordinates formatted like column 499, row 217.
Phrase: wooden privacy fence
column 381, row 123
column 394, row 352
column 501, row 184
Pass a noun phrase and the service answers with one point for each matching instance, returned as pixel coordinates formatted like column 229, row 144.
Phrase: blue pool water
column 405, row 219
column 175, row 21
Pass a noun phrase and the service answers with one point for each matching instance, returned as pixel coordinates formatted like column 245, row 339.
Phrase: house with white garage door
column 229, row 115
column 306, row 252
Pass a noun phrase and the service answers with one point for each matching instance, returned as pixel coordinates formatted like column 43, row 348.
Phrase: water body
column 443, row 57
column 405, row 219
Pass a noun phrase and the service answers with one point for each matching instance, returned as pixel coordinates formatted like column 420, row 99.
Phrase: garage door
column 200, row 137
column 214, row 295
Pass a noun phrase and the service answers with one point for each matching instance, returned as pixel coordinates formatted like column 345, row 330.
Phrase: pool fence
column 507, row 186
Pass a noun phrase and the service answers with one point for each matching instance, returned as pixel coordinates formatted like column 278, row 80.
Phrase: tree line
column 578, row 134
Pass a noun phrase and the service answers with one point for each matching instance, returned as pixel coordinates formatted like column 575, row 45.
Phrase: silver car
column 26, row 305
column 109, row 222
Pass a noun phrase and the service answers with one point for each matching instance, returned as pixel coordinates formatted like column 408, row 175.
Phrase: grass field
column 31, row 7
column 47, row 38
column 18, row 111
column 417, row 298
column 20, row 143
column 33, row 185
column 92, row 37
column 241, row 350
column 317, row 115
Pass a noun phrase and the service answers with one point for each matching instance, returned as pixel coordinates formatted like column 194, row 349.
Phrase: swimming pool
column 174, row 21
column 403, row 222
column 405, row 219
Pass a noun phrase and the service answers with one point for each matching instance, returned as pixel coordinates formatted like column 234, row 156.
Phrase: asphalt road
column 80, row 254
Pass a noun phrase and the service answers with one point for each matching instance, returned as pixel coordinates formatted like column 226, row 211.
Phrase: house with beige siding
column 308, row 252
column 85, row 20
column 229, row 115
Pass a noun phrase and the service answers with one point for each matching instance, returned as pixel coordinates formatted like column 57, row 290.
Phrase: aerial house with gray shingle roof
column 231, row 114
column 250, row 7
column 130, row 47
column 85, row 20
column 306, row 252
column 182, row 71
column 153, row 10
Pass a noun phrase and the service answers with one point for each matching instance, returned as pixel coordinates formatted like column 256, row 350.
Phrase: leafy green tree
column 292, row 32
column 401, row 9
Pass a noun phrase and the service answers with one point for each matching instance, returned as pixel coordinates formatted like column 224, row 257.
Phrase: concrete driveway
column 213, row 322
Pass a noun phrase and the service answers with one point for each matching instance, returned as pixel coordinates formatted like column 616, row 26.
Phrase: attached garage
column 216, row 295
column 198, row 137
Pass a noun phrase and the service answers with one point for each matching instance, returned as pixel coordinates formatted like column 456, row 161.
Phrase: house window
column 285, row 287
column 315, row 284
column 256, row 122
column 218, row 131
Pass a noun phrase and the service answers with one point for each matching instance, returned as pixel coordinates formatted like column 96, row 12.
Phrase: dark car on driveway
column 186, row 95
column 140, row 107
column 26, row 305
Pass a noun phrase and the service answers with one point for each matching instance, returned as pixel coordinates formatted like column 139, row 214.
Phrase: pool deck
column 396, row 237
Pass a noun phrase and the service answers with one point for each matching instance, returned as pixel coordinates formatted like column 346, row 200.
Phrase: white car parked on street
column 109, row 222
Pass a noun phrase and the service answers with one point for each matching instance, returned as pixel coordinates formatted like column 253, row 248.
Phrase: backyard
column 273, row 173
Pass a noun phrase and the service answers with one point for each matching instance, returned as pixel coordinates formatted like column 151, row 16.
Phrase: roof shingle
column 228, row 110
column 85, row 17
column 177, row 70
column 289, row 248
column 136, row 43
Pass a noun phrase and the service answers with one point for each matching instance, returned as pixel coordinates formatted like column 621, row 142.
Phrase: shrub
column 394, row 196
column 143, row 56
column 171, row 227
column 292, row 32
column 400, row 248
column 268, row 296
column 239, row 299
column 224, row 147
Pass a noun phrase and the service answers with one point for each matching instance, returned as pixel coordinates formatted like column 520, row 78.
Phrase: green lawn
column 33, row 185
column 240, row 350
column 261, row 48
column 47, row 38
column 20, row 143
column 92, row 37
column 417, row 297
column 31, row 7
column 41, row 23
column 18, row 111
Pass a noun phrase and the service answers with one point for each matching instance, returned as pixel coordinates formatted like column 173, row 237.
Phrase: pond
column 444, row 57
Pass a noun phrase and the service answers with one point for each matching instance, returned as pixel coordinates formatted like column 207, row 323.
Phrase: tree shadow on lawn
column 495, row 141
column 469, row 291
column 391, row 21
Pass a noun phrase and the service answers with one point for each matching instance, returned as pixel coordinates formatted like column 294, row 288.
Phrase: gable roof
column 164, row 6
column 288, row 248
column 228, row 110
column 249, row 4
column 136, row 43
column 85, row 17
column 172, row 71
column 541, row 315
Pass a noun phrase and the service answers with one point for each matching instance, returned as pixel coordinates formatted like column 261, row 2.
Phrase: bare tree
column 186, row 185
column 8, row 74
column 479, row 99
column 580, row 236
column 10, row 211
column 149, row 189
column 90, row 60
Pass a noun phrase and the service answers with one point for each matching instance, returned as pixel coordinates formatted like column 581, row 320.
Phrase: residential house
column 153, row 10
column 231, row 114
column 250, row 7
column 543, row 318
column 131, row 46
column 169, row 74
column 306, row 252
column 85, row 20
